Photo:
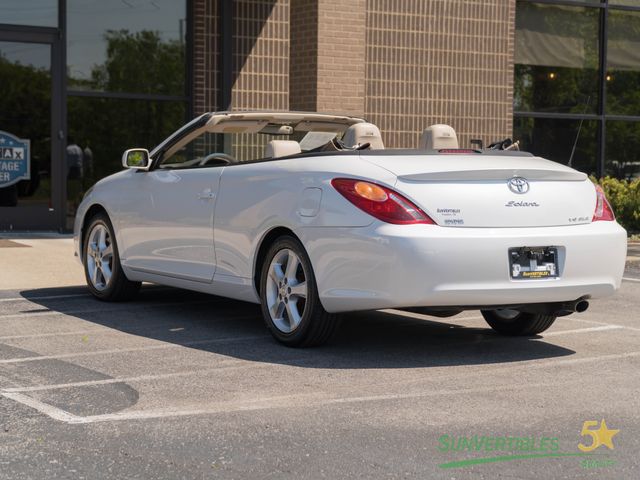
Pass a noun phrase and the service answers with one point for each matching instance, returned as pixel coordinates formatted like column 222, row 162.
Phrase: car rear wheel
column 102, row 268
column 512, row 322
column 289, row 297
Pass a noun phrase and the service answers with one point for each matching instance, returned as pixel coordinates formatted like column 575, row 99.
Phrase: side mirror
column 136, row 158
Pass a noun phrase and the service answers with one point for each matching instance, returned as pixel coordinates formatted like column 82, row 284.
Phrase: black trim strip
column 558, row 115
column 29, row 36
column 185, row 130
column 577, row 116
column 570, row 3
column 602, row 91
column 189, row 60
column 225, row 67
column 28, row 29
column 127, row 96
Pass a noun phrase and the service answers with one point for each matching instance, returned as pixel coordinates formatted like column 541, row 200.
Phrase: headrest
column 361, row 133
column 281, row 148
column 436, row 137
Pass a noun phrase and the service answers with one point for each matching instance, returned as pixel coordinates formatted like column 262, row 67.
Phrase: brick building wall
column 402, row 64
column 341, row 56
column 303, row 55
column 260, row 65
column 440, row 61
column 260, row 55
column 206, row 48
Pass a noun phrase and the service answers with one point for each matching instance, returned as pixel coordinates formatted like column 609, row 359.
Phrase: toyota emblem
column 518, row 185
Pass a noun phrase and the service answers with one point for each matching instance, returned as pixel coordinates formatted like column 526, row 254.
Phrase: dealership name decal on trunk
column 513, row 203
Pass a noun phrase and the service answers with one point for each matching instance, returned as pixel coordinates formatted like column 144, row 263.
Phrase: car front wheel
column 512, row 322
column 102, row 268
column 289, row 297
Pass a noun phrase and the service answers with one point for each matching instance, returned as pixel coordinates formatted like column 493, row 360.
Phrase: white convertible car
column 308, row 215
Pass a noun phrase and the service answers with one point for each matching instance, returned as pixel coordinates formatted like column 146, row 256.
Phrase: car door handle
column 207, row 194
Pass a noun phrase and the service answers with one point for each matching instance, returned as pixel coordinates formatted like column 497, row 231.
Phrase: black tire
column 118, row 288
column 316, row 325
column 522, row 324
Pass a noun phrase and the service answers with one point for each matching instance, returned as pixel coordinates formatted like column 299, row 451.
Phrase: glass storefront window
column 623, row 63
column 25, row 114
column 101, row 129
column 556, row 58
column 135, row 46
column 623, row 144
column 553, row 139
column 40, row 13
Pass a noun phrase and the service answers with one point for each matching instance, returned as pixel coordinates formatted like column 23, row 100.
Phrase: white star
column 2, row 140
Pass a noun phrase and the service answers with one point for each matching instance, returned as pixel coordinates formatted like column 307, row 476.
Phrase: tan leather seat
column 281, row 148
column 437, row 137
column 362, row 133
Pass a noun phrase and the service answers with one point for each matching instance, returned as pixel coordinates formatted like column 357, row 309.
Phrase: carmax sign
column 15, row 159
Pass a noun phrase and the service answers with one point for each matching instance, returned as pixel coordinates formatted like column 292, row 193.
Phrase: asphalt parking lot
column 182, row 385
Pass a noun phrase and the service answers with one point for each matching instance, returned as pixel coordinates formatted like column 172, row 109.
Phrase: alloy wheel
column 286, row 290
column 99, row 257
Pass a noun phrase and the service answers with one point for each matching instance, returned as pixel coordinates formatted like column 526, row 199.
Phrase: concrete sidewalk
column 38, row 263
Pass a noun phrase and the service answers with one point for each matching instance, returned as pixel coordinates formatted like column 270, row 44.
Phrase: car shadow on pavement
column 235, row 329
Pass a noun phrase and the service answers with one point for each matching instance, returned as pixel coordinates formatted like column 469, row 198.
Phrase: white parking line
column 633, row 280
column 421, row 316
column 316, row 399
column 225, row 364
column 48, row 410
column 100, row 331
column 132, row 349
column 128, row 308
column 582, row 330
column 48, row 297
column 594, row 322
column 132, row 331
column 58, row 334
column 222, row 365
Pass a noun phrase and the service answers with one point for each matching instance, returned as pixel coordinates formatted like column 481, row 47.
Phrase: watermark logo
column 513, row 448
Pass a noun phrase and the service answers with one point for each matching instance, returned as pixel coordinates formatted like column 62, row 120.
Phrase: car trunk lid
column 492, row 191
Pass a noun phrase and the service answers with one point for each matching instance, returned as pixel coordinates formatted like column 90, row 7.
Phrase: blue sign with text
column 15, row 159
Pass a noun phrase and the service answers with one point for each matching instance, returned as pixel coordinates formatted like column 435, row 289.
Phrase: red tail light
column 380, row 202
column 603, row 208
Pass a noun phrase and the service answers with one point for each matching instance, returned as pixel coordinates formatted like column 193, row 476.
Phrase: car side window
column 203, row 151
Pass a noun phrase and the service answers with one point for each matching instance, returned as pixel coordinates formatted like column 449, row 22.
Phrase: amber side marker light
column 371, row 191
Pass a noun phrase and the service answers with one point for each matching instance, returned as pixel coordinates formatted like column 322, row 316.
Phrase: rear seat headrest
column 361, row 133
column 281, row 148
column 438, row 136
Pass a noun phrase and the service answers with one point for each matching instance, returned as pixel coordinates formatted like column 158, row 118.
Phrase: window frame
column 600, row 116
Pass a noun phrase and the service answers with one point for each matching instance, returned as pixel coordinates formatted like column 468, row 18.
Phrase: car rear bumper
column 393, row 266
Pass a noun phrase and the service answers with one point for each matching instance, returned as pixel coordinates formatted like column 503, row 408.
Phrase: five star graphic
column 605, row 435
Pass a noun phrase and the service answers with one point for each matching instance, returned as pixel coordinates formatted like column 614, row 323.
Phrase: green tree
column 138, row 62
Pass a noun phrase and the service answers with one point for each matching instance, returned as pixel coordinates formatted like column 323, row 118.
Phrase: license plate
column 533, row 263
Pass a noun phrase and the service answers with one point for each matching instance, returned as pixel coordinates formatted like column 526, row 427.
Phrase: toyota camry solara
column 308, row 215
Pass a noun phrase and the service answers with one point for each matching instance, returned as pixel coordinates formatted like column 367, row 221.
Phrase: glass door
column 31, row 174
